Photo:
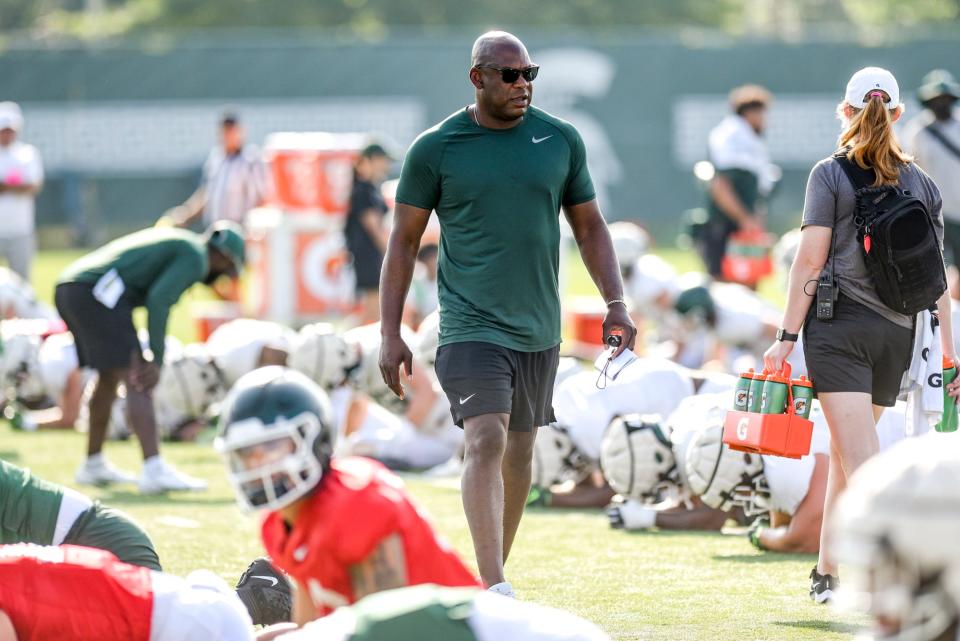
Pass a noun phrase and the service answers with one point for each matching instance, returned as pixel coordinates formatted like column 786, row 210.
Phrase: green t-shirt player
column 96, row 296
column 33, row 510
column 497, row 173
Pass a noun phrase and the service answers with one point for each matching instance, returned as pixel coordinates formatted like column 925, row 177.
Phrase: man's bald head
column 492, row 46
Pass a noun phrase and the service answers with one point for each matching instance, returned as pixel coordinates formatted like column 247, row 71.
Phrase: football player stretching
column 342, row 528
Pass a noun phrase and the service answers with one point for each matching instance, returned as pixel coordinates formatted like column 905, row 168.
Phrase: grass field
column 656, row 585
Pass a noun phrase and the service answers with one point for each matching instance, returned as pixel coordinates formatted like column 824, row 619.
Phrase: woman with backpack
column 858, row 318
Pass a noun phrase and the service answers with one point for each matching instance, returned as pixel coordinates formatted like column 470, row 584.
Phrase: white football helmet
column 20, row 367
column 630, row 242
column 556, row 458
column 276, row 434
column 896, row 531
column 323, row 356
column 368, row 379
column 189, row 384
column 725, row 478
column 428, row 339
column 637, row 458
column 786, row 249
column 18, row 300
column 652, row 278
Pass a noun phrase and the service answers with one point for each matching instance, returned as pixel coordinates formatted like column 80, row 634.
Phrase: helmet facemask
column 272, row 466
column 752, row 494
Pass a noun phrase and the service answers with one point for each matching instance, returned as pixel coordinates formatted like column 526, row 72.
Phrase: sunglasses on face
column 510, row 75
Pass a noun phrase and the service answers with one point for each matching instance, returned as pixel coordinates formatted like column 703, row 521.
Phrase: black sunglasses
column 510, row 75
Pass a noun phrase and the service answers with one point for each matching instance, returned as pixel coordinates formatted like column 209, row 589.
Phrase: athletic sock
column 95, row 460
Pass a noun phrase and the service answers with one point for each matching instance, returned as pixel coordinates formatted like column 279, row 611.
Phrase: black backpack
column 898, row 241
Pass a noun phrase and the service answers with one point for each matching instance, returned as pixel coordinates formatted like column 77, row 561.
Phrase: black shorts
column 858, row 351
column 106, row 338
column 712, row 244
column 483, row 378
column 367, row 262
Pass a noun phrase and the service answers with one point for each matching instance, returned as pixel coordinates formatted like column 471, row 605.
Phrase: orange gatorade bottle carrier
column 785, row 434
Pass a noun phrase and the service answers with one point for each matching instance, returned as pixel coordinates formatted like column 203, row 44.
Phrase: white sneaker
column 99, row 471
column 162, row 477
column 503, row 589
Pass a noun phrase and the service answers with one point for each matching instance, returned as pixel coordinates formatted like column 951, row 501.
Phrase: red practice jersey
column 76, row 593
column 357, row 505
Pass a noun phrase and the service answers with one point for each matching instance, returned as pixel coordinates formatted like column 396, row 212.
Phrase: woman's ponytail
column 869, row 135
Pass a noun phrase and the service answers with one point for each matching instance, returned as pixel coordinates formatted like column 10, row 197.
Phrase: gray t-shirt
column 829, row 203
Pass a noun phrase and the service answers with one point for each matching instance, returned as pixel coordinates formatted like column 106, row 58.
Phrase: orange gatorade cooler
column 312, row 172
column 748, row 258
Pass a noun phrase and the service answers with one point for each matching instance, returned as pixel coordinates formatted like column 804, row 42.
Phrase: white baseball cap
column 869, row 79
column 10, row 116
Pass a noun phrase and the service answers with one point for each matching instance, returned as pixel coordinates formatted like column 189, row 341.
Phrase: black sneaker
column 265, row 591
column 822, row 586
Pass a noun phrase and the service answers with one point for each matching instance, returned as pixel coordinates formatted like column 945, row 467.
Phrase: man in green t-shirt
column 497, row 173
column 96, row 296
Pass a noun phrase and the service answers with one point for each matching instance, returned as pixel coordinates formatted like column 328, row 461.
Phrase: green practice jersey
column 156, row 265
column 498, row 195
column 418, row 613
column 28, row 506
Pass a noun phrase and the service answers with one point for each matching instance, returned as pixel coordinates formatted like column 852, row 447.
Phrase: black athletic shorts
column 106, row 338
column 483, row 378
column 858, row 351
column 712, row 244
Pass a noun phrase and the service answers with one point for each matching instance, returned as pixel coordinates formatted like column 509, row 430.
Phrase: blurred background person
column 21, row 178
column 96, row 296
column 366, row 228
column 234, row 180
column 743, row 174
column 933, row 138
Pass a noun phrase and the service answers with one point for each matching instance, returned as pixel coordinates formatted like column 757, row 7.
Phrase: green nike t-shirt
column 498, row 195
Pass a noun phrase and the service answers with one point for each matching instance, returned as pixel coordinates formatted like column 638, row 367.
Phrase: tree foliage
column 372, row 19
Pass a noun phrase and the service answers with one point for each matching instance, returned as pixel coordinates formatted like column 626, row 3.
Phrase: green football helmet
column 276, row 434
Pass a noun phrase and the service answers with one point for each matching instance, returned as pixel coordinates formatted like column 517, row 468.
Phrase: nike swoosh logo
column 535, row 140
column 272, row 579
column 464, row 400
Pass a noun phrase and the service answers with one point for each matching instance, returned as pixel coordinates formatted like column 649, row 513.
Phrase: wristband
column 615, row 301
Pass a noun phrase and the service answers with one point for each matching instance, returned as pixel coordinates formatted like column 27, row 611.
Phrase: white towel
column 923, row 380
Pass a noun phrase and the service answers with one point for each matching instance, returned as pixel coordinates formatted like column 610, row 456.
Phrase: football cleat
column 822, row 586
column 99, row 472
column 265, row 592
column 163, row 477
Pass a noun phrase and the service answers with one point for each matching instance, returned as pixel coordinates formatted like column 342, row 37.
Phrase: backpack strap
column 859, row 177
